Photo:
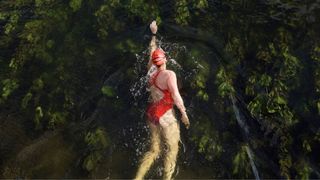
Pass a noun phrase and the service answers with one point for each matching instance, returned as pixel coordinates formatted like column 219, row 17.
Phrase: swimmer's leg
column 172, row 138
column 152, row 154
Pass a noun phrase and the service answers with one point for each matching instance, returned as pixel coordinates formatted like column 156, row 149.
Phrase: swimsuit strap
column 153, row 77
column 155, row 83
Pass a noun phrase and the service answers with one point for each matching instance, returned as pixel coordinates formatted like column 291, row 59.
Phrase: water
column 70, row 61
column 254, row 168
column 245, row 129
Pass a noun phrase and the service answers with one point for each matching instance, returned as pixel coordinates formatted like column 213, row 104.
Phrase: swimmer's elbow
column 175, row 96
column 177, row 99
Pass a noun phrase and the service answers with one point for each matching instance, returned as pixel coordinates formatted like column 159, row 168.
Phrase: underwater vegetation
column 72, row 87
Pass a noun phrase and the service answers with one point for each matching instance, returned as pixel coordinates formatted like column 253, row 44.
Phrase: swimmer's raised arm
column 152, row 45
column 173, row 88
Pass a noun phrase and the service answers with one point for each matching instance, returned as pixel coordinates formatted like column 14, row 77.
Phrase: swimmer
column 163, row 125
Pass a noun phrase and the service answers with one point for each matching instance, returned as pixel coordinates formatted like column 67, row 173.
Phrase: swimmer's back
column 163, row 78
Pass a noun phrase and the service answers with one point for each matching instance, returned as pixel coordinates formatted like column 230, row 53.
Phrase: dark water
column 225, row 139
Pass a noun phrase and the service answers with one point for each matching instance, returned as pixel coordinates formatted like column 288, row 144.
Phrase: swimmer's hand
column 185, row 120
column 154, row 27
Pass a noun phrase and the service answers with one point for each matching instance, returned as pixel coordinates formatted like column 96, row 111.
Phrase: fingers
column 153, row 27
column 187, row 125
column 186, row 122
column 153, row 24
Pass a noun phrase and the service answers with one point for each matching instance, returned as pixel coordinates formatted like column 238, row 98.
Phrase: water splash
column 253, row 166
column 138, row 89
column 245, row 128
column 241, row 123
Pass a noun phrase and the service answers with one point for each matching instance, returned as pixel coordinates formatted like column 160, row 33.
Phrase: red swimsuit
column 156, row 109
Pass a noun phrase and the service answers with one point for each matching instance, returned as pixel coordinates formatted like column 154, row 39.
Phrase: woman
column 161, row 117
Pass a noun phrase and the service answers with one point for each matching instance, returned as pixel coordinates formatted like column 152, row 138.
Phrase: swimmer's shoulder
column 169, row 72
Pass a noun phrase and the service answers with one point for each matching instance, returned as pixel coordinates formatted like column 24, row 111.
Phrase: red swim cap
column 158, row 57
